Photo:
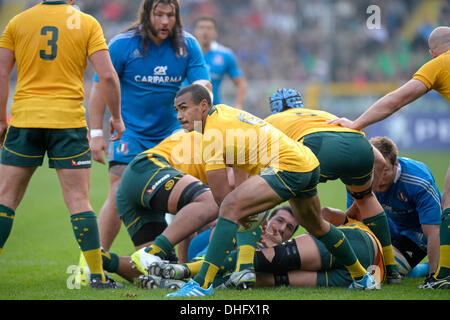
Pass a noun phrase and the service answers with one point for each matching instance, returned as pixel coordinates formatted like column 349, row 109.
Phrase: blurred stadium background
column 324, row 48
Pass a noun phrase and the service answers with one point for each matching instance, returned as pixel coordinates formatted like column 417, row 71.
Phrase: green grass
column 42, row 247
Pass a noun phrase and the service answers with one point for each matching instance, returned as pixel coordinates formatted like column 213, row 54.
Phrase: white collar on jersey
column 398, row 173
column 214, row 45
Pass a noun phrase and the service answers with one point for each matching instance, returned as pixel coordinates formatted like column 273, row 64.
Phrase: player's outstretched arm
column 431, row 232
column 386, row 106
column 6, row 66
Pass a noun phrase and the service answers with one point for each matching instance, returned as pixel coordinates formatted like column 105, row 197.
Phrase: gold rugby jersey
column 236, row 138
column 184, row 152
column 51, row 42
column 435, row 74
column 296, row 123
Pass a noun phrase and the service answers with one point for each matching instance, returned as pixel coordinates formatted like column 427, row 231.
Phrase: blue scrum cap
column 284, row 99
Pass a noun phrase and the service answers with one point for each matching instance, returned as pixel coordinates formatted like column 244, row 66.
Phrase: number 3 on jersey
column 51, row 43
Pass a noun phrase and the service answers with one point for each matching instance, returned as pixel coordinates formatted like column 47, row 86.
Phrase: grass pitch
column 37, row 261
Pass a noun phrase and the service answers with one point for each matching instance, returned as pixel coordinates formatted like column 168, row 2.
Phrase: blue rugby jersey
column 149, row 83
column 221, row 61
column 411, row 201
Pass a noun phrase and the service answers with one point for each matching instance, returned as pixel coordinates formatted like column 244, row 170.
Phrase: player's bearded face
column 163, row 20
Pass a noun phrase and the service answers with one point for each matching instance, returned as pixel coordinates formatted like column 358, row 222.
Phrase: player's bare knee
column 231, row 208
column 207, row 199
column 315, row 224
column 326, row 213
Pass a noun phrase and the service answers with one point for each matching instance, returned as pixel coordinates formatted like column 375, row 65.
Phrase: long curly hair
column 144, row 26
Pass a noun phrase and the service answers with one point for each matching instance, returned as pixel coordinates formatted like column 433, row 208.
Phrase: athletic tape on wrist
column 96, row 133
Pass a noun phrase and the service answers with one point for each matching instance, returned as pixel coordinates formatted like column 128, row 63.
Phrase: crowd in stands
column 300, row 40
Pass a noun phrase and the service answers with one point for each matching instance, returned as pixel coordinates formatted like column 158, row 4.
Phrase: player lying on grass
column 303, row 261
column 279, row 227
column 166, row 178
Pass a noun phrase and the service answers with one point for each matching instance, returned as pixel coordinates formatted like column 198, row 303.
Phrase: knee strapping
column 286, row 258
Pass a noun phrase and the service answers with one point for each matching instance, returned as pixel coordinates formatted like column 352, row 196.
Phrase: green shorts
column 333, row 273
column 142, row 178
column 66, row 148
column 290, row 185
column 344, row 155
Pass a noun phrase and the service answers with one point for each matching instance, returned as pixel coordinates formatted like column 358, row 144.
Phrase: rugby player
column 152, row 58
column 344, row 154
column 50, row 43
column 432, row 75
column 280, row 169
column 220, row 61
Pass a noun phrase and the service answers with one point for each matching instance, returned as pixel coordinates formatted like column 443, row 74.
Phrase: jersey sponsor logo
column 159, row 76
column 157, row 183
column 160, row 71
column 157, row 79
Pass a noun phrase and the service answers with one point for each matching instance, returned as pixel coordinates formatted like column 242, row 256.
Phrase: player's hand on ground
column 343, row 122
column 117, row 128
column 98, row 146
column 271, row 237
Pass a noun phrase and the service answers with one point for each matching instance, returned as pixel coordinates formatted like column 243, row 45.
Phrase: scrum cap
column 284, row 99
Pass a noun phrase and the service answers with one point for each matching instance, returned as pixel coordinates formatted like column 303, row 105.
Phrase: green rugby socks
column 110, row 261
column 219, row 247
column 6, row 222
column 246, row 247
column 161, row 247
column 86, row 232
column 379, row 225
column 340, row 247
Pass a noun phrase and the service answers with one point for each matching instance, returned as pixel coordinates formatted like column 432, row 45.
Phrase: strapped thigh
column 191, row 192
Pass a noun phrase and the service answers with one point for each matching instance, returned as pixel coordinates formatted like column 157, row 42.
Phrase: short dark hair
column 386, row 147
column 205, row 18
column 198, row 91
column 286, row 208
